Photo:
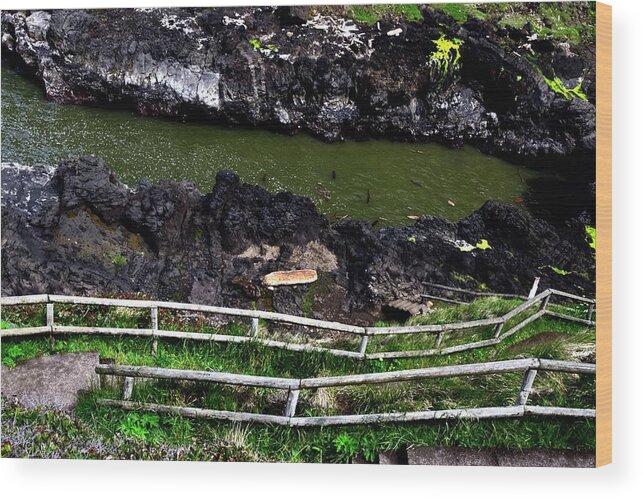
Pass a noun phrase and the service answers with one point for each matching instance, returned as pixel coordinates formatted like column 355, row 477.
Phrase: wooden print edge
column 604, row 233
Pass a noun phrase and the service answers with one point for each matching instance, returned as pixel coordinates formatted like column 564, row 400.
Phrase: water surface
column 376, row 179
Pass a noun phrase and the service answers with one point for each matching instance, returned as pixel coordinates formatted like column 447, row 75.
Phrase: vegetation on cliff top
column 370, row 14
column 573, row 22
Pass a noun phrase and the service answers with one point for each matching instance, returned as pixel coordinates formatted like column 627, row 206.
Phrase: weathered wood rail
column 482, row 294
column 530, row 368
column 469, row 292
column 439, row 331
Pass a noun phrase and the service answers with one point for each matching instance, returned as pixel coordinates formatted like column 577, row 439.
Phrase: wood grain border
column 604, row 233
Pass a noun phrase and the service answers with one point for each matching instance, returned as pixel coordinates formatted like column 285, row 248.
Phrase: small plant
column 237, row 435
column 590, row 233
column 446, row 55
column 139, row 426
column 371, row 446
column 346, row 446
column 559, row 271
column 5, row 325
column 118, row 260
column 257, row 45
column 557, row 85
column 412, row 239
column 12, row 354
column 483, row 245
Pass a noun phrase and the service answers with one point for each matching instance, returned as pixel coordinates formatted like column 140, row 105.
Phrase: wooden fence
column 438, row 331
column 467, row 292
column 530, row 368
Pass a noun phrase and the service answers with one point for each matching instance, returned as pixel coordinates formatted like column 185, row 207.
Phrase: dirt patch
column 313, row 256
column 264, row 252
column 51, row 381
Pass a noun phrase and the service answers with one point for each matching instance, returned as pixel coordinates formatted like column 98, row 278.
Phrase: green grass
column 119, row 429
column 572, row 22
column 460, row 12
column 370, row 14
column 96, row 432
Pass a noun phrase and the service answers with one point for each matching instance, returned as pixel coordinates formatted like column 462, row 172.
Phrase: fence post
column 254, row 328
column 154, row 316
column 545, row 302
column 291, row 403
column 50, row 322
column 128, row 386
column 499, row 329
column 363, row 344
column 590, row 311
column 534, row 288
column 525, row 388
column 439, row 339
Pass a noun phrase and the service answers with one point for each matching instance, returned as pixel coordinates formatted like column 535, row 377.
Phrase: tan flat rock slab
column 290, row 277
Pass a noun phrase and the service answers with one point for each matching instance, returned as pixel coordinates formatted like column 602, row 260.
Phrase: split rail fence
column 439, row 331
column 530, row 368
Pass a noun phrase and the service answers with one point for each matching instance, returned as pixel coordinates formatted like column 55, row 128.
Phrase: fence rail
column 530, row 368
column 440, row 331
column 470, row 292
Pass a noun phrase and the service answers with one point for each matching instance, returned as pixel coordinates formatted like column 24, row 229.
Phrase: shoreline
column 223, row 53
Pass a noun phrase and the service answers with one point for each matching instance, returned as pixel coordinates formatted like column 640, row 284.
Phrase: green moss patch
column 557, row 85
column 446, row 55
column 559, row 271
column 483, row 245
column 590, row 233
column 370, row 14
column 257, row 45
column 461, row 12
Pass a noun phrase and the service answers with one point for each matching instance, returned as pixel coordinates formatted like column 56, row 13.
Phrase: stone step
column 52, row 381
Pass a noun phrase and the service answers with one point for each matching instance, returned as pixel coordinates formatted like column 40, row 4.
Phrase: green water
column 403, row 179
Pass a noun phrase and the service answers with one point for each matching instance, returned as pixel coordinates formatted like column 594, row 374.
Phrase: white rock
column 38, row 25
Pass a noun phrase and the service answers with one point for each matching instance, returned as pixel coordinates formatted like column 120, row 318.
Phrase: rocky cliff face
column 77, row 229
column 283, row 68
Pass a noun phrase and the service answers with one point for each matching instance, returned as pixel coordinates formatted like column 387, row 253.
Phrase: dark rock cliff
column 77, row 229
column 286, row 69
